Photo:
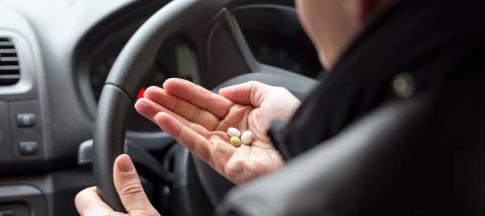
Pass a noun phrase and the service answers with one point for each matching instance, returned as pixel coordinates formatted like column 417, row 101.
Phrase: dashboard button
column 28, row 148
column 25, row 119
column 7, row 213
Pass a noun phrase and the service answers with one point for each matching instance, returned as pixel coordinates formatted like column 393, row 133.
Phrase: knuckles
column 131, row 189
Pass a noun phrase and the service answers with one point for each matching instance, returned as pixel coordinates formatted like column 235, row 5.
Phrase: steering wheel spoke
column 226, row 52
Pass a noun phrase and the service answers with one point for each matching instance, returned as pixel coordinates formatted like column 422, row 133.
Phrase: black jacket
column 397, row 128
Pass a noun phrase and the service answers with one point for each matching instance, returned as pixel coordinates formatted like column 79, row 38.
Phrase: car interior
column 71, row 69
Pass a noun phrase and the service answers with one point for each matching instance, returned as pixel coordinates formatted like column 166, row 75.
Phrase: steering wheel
column 219, row 46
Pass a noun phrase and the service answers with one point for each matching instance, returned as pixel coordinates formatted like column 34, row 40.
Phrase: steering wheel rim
column 210, row 29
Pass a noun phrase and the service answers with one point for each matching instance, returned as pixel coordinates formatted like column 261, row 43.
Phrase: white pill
column 233, row 132
column 247, row 137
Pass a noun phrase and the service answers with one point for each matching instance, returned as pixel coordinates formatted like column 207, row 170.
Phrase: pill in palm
column 247, row 137
column 235, row 141
column 233, row 132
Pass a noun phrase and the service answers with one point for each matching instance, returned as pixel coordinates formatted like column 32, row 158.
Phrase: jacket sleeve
column 399, row 160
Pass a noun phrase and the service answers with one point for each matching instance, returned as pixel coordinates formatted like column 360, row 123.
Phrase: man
column 421, row 57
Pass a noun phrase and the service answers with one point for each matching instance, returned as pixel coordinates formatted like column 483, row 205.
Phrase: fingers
column 88, row 203
column 198, row 96
column 249, row 93
column 149, row 109
column 221, row 152
column 129, row 188
column 183, row 108
column 190, row 139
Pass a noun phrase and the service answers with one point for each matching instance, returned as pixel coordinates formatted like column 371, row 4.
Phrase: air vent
column 9, row 63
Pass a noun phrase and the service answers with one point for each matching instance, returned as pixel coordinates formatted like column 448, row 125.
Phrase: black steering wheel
column 219, row 46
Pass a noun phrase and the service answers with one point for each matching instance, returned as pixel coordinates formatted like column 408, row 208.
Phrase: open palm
column 199, row 119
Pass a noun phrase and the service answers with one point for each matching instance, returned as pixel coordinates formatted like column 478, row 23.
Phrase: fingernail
column 125, row 164
column 142, row 101
column 164, row 85
column 159, row 115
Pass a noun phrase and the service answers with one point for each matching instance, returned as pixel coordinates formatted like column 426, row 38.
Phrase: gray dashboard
column 50, row 31
column 51, row 110
column 45, row 34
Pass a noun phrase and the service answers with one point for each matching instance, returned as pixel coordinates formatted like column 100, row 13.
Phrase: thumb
column 129, row 188
column 249, row 93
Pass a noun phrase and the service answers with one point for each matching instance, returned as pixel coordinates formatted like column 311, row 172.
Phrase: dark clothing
column 397, row 128
column 440, row 43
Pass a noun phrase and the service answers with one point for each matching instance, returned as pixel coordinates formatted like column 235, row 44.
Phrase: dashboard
column 54, row 58
column 283, row 45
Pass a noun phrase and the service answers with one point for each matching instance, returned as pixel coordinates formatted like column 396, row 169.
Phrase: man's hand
column 129, row 188
column 198, row 119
